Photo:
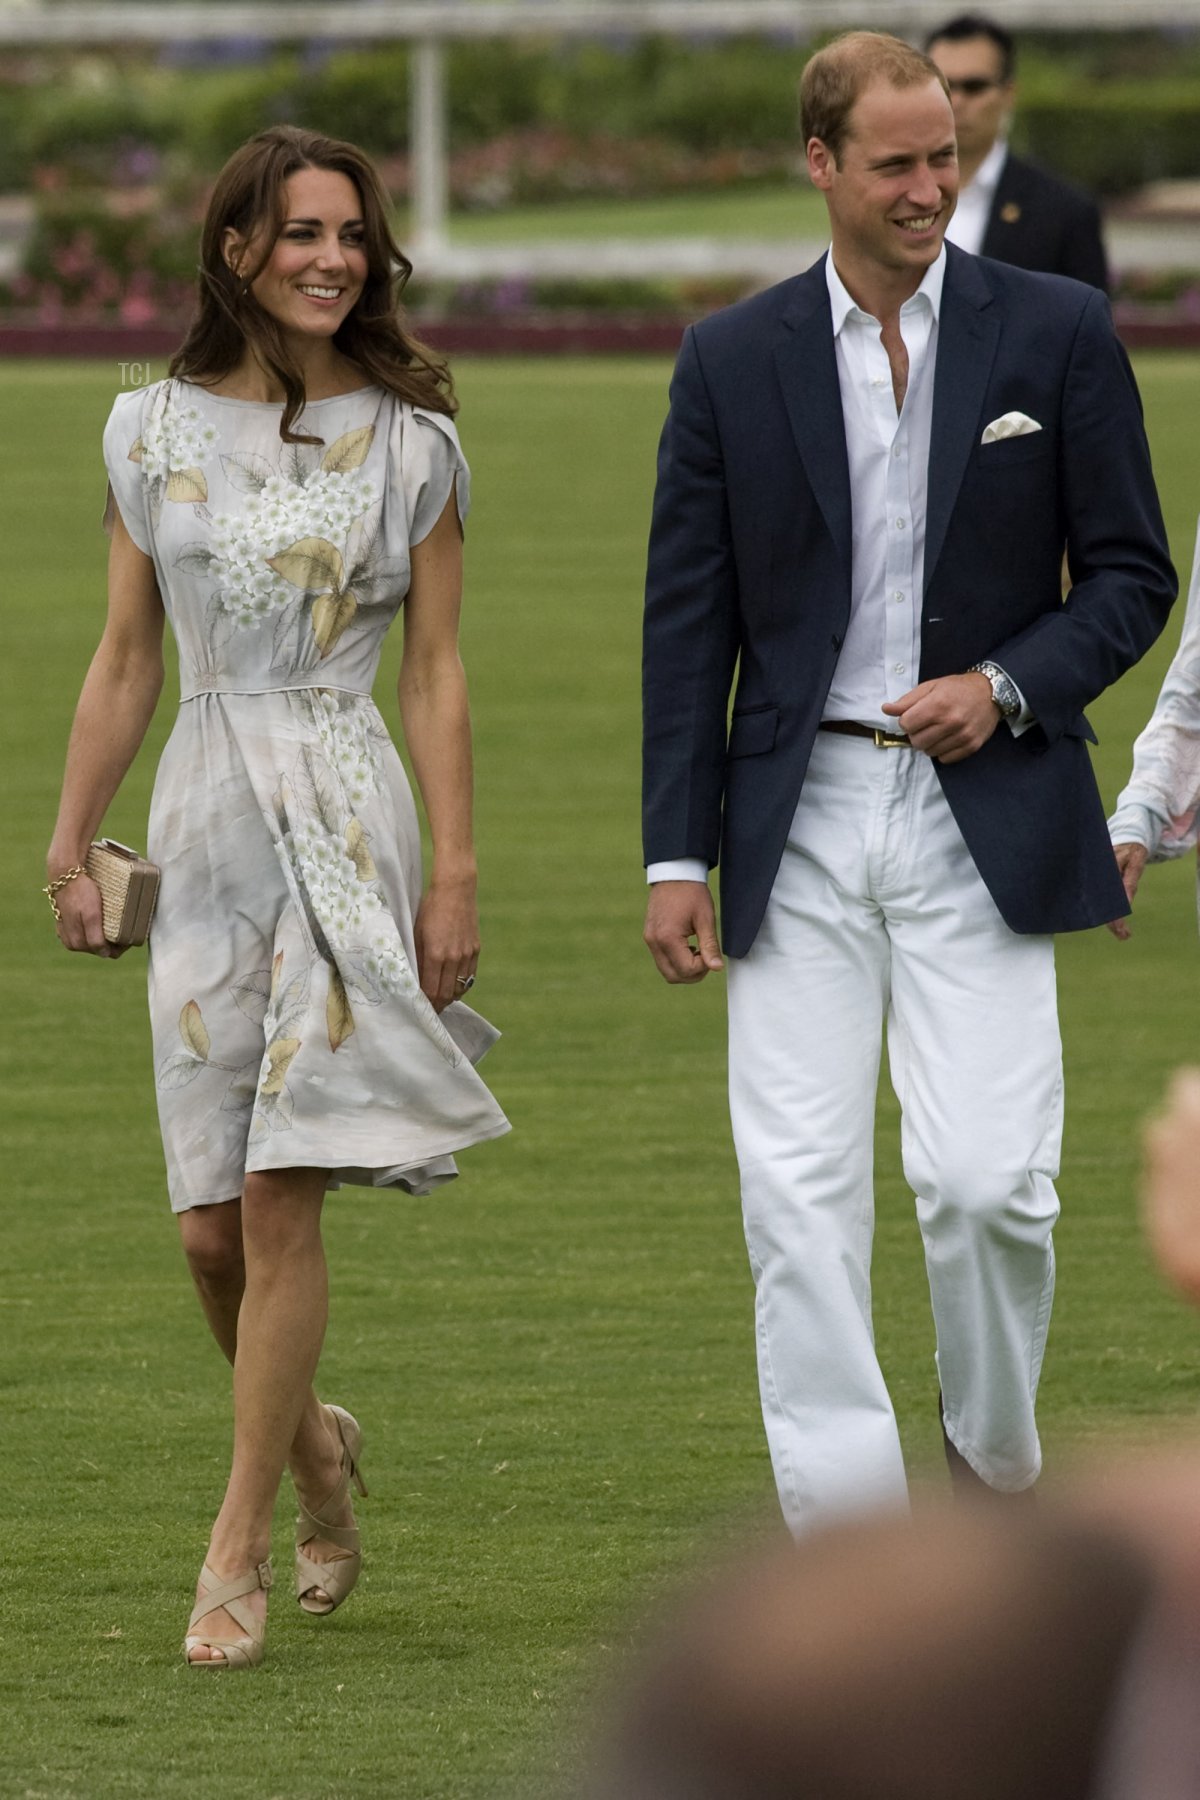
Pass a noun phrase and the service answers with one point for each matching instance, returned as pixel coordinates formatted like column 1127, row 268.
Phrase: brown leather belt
column 883, row 740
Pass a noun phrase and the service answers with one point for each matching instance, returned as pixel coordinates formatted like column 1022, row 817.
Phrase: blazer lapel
column 968, row 333
column 806, row 364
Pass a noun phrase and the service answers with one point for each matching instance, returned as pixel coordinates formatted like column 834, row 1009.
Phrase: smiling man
column 1008, row 208
column 866, row 483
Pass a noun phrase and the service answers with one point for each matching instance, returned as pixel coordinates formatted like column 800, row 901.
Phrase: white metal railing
column 428, row 27
column 373, row 20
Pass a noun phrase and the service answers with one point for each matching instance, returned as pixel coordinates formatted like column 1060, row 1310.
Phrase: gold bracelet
column 52, row 888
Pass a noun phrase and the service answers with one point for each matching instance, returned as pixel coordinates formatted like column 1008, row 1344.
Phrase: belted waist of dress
column 288, row 687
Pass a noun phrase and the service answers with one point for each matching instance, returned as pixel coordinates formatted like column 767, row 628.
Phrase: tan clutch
column 128, row 890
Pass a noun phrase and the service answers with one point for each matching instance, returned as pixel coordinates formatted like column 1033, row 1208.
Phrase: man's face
column 981, row 98
column 892, row 192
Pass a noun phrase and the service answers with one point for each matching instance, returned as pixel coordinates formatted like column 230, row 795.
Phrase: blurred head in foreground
column 955, row 1656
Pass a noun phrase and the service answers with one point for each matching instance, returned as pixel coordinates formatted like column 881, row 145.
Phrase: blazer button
column 836, row 641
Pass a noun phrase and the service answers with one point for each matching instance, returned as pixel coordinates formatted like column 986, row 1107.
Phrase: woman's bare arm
column 115, row 707
column 432, row 691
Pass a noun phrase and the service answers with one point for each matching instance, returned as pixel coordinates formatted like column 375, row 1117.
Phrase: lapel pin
column 1010, row 212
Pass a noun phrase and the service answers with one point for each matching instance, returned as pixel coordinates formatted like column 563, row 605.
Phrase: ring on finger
column 465, row 983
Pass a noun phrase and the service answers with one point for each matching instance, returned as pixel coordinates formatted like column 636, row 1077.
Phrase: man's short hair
column 977, row 25
column 834, row 78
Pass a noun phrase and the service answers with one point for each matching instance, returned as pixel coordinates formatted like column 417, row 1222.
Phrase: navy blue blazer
column 749, row 571
column 1039, row 222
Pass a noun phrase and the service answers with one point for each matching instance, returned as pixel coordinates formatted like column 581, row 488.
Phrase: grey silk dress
column 289, row 1028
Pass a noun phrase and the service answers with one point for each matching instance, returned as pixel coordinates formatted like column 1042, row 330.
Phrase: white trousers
column 878, row 913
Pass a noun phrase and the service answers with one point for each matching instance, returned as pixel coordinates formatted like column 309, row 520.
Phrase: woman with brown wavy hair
column 292, row 483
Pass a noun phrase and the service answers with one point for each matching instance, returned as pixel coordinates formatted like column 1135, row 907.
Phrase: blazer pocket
column 1030, row 448
column 753, row 732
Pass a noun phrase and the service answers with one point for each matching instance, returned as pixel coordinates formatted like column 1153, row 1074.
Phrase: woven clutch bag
column 128, row 890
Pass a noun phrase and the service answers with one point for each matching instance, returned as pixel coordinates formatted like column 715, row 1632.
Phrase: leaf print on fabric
column 193, row 1031
column 385, row 583
column 357, row 845
column 246, row 471
column 185, row 1065
column 178, row 1070
column 339, row 1017
column 349, row 451
column 252, row 994
column 242, row 1090
column 331, row 614
column 377, row 580
column 313, row 564
column 286, row 623
column 284, row 1019
column 187, row 484
column 194, row 559
column 316, row 565
column 300, row 463
column 317, row 793
column 279, row 1058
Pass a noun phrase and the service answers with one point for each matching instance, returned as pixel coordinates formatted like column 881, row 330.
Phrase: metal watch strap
column 1004, row 688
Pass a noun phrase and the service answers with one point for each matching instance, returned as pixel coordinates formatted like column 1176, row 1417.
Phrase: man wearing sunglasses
column 1008, row 208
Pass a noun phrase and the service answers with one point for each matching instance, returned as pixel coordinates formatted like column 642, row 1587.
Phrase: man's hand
column 1131, row 861
column 677, row 912
column 949, row 718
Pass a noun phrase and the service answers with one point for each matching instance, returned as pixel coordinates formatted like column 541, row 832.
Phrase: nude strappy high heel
column 335, row 1579
column 236, row 1653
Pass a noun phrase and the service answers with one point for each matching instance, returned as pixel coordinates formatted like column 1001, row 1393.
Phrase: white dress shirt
column 888, row 455
column 971, row 215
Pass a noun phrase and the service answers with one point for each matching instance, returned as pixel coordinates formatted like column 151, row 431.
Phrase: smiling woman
column 292, row 484
column 300, row 280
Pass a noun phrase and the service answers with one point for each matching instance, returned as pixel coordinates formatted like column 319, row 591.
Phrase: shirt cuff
column 684, row 868
column 1135, row 823
column 1020, row 721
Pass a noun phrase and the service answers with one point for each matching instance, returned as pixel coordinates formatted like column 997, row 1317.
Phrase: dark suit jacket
column 1040, row 222
column 749, row 568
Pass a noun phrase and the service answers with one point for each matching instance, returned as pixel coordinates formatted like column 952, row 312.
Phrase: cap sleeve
column 126, row 489
column 433, row 462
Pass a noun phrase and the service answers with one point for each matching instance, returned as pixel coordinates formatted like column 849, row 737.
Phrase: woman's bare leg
column 280, row 1330
column 212, row 1242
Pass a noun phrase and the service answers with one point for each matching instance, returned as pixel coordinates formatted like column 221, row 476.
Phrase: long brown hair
column 249, row 199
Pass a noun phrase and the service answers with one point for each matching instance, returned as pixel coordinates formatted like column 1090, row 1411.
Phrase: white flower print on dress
column 345, row 728
column 175, row 438
column 279, row 516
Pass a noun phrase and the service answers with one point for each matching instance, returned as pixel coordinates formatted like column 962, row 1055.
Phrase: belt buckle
column 891, row 740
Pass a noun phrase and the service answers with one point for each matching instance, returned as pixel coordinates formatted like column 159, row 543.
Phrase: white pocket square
column 1013, row 424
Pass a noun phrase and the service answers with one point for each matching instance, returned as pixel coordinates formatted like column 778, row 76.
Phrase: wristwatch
column 1004, row 688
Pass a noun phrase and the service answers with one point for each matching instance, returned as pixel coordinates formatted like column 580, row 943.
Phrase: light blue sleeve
column 432, row 463
column 126, row 488
column 1160, row 806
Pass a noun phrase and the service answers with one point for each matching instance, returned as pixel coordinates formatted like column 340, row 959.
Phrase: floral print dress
column 288, row 1024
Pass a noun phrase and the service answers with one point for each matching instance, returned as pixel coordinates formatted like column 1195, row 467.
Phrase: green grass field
column 772, row 210
column 553, row 1359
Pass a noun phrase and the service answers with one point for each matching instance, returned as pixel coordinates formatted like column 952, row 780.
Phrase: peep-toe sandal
column 244, row 1652
column 335, row 1580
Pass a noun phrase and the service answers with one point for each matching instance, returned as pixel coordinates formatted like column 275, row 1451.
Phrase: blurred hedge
column 1115, row 138
column 127, row 119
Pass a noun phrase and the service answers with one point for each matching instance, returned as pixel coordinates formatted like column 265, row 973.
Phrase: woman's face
column 317, row 268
